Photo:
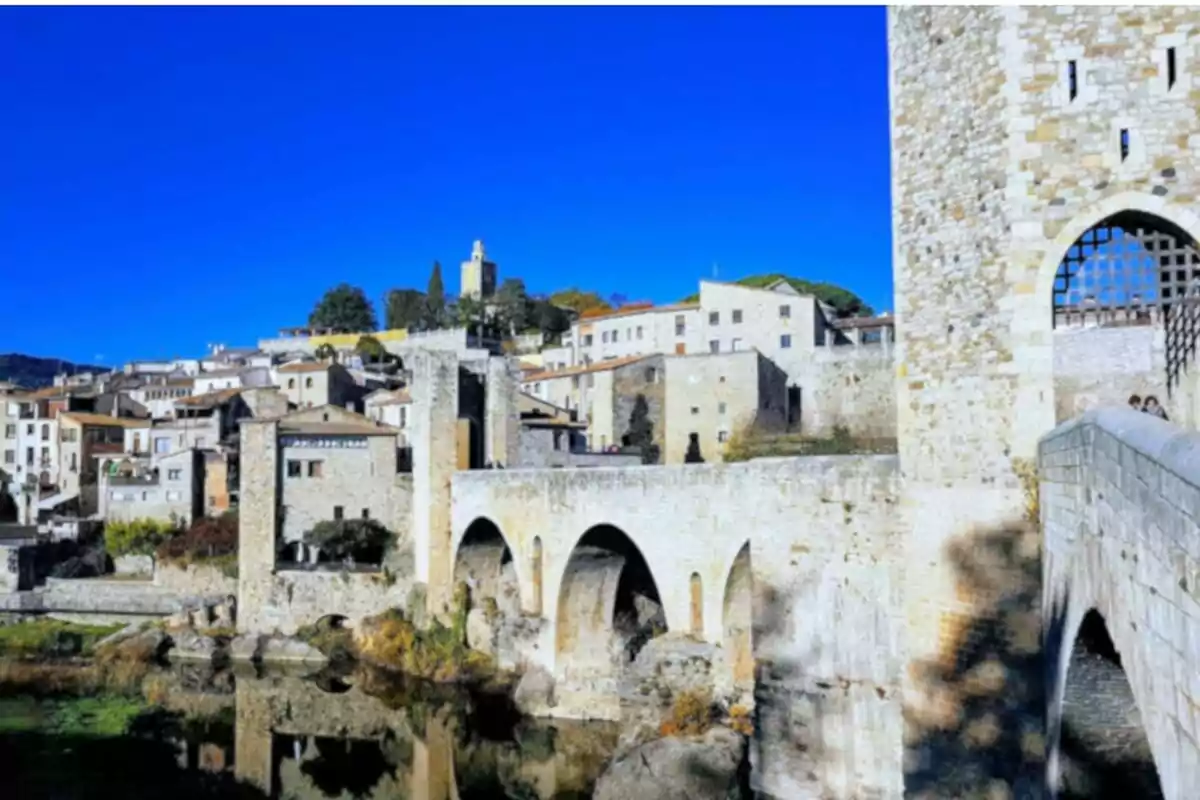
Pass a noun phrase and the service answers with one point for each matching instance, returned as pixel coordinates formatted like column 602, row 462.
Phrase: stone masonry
column 1120, row 507
column 997, row 171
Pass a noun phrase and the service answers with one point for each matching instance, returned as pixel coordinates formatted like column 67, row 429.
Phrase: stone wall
column 196, row 580
column 824, row 546
column 549, row 446
column 851, row 386
column 1096, row 367
column 1120, row 509
column 647, row 378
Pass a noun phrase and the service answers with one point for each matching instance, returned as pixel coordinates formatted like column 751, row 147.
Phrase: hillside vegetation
column 33, row 372
column 845, row 302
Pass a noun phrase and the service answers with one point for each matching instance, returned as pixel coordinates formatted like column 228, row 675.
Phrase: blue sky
column 178, row 176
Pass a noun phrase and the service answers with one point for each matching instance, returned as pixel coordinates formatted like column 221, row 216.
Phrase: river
column 196, row 732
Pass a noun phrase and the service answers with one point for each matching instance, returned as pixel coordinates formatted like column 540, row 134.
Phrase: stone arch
column 484, row 561
column 1105, row 272
column 696, row 594
column 608, row 605
column 738, row 621
column 1103, row 748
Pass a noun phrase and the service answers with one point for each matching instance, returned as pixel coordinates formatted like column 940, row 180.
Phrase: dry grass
column 691, row 714
column 749, row 442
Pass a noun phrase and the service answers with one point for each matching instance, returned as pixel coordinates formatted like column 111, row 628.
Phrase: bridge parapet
column 1120, row 511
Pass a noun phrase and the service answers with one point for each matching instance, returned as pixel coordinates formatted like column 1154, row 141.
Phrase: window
column 403, row 416
column 714, row 318
column 308, row 383
column 10, row 431
column 1124, row 143
column 291, row 383
column 338, row 512
column 366, row 513
column 722, row 436
column 315, row 469
column 71, row 435
column 616, row 336
column 651, row 375
column 575, row 382
column 629, row 334
column 639, row 332
column 174, row 494
column 737, row 316
column 293, row 469
column 1072, row 80
column 1171, row 68
column 680, row 349
column 45, row 455
column 680, row 324
column 737, row 345
column 720, row 408
column 695, row 410
column 587, row 340
column 29, row 430
column 162, row 444
column 174, row 474
column 714, row 346
column 45, row 433
column 10, row 456
column 604, row 337
column 558, row 439
column 785, row 341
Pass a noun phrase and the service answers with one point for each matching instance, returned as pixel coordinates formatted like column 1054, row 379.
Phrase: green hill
column 844, row 301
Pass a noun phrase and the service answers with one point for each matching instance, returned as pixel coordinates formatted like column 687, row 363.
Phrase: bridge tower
column 1017, row 133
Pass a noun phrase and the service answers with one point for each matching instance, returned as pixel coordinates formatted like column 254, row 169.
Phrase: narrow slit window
column 1124, row 143
column 1171, row 68
column 1073, row 79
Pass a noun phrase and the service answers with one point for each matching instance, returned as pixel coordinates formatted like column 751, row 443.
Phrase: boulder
column 534, row 694
column 481, row 632
column 223, row 613
column 293, row 651
column 192, row 646
column 649, row 612
column 133, row 565
column 246, row 647
column 711, row 767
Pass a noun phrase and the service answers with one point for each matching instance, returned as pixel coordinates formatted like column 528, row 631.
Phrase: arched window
column 697, row 625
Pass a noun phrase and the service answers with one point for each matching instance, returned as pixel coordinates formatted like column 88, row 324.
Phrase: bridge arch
column 737, row 622
column 485, row 561
column 1103, row 748
column 608, row 605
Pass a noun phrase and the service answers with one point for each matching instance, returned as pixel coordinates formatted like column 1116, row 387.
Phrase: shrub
column 691, row 714
column 208, row 538
column 362, row 540
column 136, row 537
column 50, row 638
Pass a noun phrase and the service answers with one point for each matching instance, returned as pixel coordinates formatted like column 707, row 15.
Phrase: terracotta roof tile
column 305, row 366
column 104, row 420
column 209, row 399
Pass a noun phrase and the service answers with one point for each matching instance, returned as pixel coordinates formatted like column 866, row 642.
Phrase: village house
column 201, row 421
column 317, row 383
column 84, row 438
column 170, row 488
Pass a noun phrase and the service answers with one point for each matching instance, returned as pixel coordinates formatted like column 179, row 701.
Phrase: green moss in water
column 104, row 715
column 51, row 638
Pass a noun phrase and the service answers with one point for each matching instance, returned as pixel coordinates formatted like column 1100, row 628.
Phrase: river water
column 199, row 733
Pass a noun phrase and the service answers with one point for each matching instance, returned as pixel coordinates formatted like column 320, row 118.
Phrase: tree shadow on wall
column 981, row 730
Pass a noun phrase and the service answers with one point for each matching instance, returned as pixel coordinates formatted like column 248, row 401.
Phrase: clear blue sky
column 172, row 177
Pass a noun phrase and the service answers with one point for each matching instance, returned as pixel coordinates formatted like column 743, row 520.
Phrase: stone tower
column 1015, row 133
column 478, row 275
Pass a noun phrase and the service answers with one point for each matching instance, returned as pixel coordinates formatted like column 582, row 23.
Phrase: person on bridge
column 1153, row 408
column 1135, row 402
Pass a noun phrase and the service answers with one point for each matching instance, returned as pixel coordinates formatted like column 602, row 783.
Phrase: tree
column 512, row 306
column 641, row 430
column 325, row 352
column 692, row 456
column 360, row 540
column 371, row 349
column 435, row 299
column 844, row 302
column 470, row 313
column 579, row 301
column 344, row 307
column 404, row 308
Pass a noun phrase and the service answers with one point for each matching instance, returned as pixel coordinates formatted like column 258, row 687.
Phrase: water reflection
column 280, row 735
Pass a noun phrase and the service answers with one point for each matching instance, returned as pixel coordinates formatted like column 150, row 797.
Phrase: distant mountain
column 32, row 372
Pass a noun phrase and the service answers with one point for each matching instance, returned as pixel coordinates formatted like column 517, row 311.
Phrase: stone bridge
column 1120, row 508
